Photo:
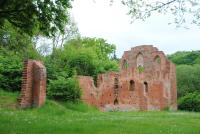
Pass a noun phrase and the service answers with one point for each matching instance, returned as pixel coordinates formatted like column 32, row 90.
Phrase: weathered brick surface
column 33, row 92
column 146, row 81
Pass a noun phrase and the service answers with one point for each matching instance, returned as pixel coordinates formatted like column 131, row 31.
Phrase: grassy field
column 56, row 118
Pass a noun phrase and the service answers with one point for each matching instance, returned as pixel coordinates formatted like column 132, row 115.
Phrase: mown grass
column 57, row 118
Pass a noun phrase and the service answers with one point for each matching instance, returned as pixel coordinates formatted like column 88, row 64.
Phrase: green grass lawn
column 68, row 118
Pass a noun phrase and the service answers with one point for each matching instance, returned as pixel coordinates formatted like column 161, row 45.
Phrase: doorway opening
column 116, row 101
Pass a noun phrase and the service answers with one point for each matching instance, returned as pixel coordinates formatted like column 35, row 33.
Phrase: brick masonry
column 146, row 81
column 33, row 91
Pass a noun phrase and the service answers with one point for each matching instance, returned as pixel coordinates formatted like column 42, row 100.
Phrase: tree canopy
column 185, row 57
column 188, row 71
column 35, row 16
column 88, row 56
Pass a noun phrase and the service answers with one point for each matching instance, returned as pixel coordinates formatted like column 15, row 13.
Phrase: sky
column 96, row 18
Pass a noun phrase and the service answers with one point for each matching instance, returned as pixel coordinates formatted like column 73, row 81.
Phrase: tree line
column 188, row 79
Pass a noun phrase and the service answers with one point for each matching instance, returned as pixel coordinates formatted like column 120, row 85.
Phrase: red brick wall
column 33, row 92
column 160, row 75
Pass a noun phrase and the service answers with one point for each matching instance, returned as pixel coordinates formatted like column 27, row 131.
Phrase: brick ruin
column 33, row 91
column 146, row 81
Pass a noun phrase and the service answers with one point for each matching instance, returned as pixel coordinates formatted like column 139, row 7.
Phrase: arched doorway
column 131, row 85
column 116, row 102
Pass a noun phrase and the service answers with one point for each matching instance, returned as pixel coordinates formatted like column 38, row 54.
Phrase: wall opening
column 116, row 83
column 95, row 81
column 140, row 60
column 146, row 87
column 157, row 59
column 132, row 85
column 116, row 101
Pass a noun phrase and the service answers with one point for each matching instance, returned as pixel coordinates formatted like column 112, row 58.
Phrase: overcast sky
column 95, row 18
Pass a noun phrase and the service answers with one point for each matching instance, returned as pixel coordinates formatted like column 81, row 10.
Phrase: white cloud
column 99, row 19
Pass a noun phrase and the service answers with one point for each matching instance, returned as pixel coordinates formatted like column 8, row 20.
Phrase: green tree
column 87, row 56
column 185, row 57
column 10, row 70
column 92, row 53
column 19, row 43
column 82, row 56
column 35, row 16
column 190, row 102
column 188, row 79
column 103, row 49
column 14, row 48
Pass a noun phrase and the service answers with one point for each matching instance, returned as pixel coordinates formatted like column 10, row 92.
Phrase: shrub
column 190, row 102
column 140, row 69
column 188, row 83
column 64, row 89
column 10, row 70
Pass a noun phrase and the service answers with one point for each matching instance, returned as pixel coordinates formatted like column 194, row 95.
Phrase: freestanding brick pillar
column 33, row 91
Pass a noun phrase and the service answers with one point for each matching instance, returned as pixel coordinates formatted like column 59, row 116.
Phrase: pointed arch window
column 140, row 60
column 157, row 59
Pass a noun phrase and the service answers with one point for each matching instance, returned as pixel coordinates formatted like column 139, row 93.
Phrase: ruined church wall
column 159, row 74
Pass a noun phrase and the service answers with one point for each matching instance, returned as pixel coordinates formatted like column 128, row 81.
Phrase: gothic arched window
column 157, row 59
column 140, row 60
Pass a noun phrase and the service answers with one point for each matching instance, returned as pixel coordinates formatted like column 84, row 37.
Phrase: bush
column 188, row 83
column 190, row 102
column 10, row 70
column 64, row 89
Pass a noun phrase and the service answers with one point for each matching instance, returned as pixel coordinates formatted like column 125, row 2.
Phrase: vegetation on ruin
column 56, row 117
column 140, row 69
